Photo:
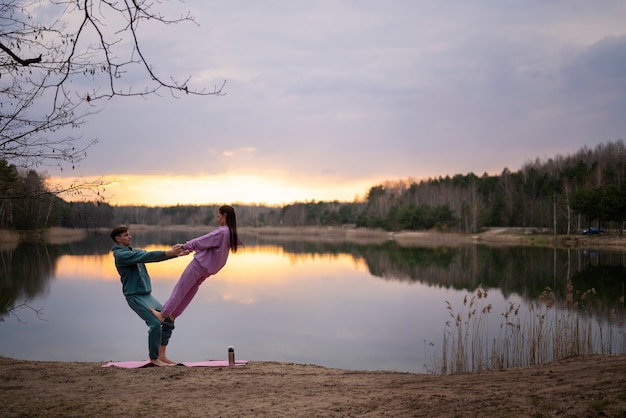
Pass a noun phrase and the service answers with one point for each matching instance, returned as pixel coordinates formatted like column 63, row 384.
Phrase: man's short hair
column 117, row 231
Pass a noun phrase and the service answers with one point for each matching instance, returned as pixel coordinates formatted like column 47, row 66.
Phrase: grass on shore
column 546, row 331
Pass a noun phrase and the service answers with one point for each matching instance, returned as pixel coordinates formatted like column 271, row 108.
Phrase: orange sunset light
column 98, row 267
column 248, row 265
column 246, row 189
column 254, row 264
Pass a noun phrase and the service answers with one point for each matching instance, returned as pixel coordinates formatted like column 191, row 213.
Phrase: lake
column 336, row 304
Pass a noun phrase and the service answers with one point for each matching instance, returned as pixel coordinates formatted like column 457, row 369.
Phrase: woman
column 211, row 253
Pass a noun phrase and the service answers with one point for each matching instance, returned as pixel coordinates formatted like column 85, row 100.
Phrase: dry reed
column 544, row 331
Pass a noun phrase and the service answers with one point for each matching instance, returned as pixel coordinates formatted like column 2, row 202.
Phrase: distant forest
column 560, row 195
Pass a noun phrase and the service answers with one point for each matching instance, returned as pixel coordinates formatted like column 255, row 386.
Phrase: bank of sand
column 584, row 386
column 490, row 236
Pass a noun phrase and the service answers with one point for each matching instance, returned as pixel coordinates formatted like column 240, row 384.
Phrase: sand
column 585, row 386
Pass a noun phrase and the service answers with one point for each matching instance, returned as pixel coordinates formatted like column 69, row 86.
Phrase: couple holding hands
column 210, row 255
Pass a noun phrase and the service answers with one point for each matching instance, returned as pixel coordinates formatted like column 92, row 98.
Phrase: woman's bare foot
column 158, row 314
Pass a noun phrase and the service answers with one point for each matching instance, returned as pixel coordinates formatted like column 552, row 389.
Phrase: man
column 137, row 289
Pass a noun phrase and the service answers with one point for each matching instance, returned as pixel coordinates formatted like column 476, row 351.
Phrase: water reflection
column 25, row 273
column 305, row 301
column 524, row 271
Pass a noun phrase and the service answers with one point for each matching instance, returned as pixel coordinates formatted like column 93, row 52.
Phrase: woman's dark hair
column 231, row 222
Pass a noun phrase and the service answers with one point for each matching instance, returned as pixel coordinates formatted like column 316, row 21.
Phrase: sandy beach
column 587, row 386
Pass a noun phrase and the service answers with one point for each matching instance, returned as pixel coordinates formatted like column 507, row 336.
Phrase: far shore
column 489, row 236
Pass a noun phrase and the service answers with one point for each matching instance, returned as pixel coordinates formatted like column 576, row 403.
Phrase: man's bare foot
column 159, row 363
column 158, row 314
column 168, row 361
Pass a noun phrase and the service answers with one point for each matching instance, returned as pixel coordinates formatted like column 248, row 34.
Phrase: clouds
column 598, row 72
column 345, row 92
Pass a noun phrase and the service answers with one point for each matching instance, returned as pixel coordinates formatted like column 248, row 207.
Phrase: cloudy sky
column 325, row 99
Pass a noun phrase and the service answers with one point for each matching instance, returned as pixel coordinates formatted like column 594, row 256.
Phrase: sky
column 326, row 99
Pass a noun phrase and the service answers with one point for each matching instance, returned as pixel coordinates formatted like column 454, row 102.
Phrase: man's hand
column 177, row 250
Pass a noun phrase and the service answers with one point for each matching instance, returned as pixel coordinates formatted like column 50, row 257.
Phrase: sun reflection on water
column 248, row 265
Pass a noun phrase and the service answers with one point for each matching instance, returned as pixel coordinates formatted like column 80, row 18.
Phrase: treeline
column 563, row 194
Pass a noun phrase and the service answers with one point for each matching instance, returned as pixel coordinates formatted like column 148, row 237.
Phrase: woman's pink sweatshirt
column 211, row 250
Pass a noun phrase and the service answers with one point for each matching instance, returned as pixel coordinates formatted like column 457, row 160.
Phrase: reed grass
column 544, row 331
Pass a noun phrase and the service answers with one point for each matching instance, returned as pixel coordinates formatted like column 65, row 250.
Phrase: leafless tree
column 60, row 60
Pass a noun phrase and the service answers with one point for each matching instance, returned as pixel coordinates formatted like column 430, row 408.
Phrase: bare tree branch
column 12, row 311
column 89, row 190
column 24, row 62
column 60, row 58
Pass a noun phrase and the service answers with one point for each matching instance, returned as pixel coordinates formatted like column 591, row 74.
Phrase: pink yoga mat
column 145, row 363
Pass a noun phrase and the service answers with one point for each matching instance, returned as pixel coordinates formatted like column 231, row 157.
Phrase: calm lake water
column 345, row 305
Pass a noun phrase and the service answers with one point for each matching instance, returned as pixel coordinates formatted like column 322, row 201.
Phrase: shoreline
column 571, row 387
column 491, row 236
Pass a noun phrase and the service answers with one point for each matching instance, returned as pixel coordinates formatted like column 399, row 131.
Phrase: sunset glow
column 96, row 267
column 124, row 190
column 249, row 265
